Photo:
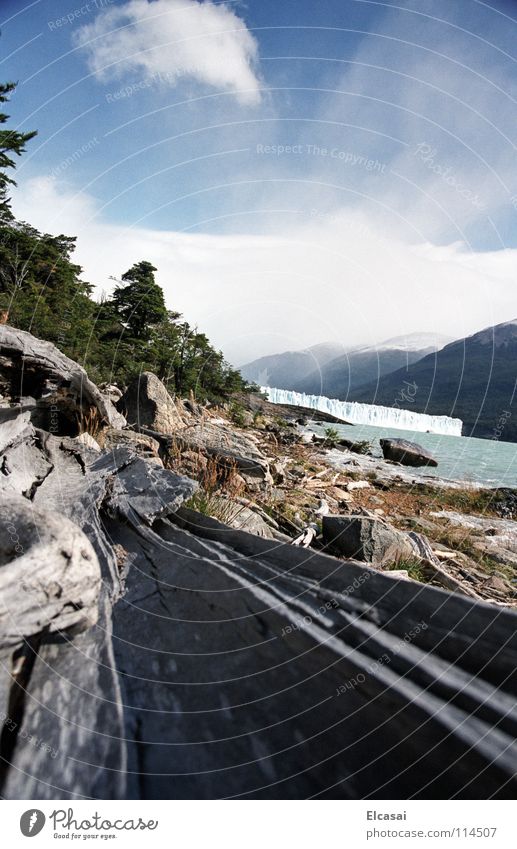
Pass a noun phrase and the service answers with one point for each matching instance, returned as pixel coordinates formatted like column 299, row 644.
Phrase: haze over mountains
column 358, row 366
column 333, row 370
column 285, row 369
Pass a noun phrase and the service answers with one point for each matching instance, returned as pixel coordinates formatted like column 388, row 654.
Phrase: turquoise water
column 484, row 461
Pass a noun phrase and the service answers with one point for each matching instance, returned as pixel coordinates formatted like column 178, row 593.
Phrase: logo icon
column 31, row 822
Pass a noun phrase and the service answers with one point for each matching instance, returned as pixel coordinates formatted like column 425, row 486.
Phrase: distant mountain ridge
column 473, row 379
column 334, row 370
column 282, row 370
column 359, row 366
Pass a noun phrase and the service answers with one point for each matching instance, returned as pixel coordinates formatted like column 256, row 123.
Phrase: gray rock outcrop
column 151, row 410
column 145, row 446
column 367, row 539
column 146, row 403
column 57, row 389
column 228, row 446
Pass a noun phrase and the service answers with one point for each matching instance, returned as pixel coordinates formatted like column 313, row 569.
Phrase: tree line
column 116, row 338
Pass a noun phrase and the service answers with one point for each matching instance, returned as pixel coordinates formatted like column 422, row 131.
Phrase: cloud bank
column 174, row 39
column 321, row 278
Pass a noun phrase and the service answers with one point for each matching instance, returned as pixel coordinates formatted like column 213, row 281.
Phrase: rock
column 240, row 517
column 407, row 453
column 363, row 538
column 307, row 437
column 145, row 446
column 111, row 391
column 146, row 403
column 246, row 418
column 505, row 502
column 12, row 425
column 361, row 447
column 498, row 584
column 278, row 471
column 142, row 489
column 399, row 574
column 230, row 447
column 352, row 485
column 193, row 407
column 88, row 440
column 60, row 392
column 318, row 439
column 49, row 573
column 500, row 546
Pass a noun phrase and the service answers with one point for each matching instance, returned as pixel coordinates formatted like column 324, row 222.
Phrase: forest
column 116, row 337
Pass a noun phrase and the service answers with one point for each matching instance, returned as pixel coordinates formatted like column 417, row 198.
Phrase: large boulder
column 407, row 453
column 55, row 391
column 147, row 403
column 368, row 539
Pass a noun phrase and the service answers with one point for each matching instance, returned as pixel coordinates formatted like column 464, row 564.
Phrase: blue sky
column 298, row 171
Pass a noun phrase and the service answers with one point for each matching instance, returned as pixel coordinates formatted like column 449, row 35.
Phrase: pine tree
column 11, row 143
column 140, row 304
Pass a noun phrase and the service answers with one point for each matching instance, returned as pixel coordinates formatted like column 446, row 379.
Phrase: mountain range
column 285, row 369
column 473, row 379
column 358, row 366
column 334, row 370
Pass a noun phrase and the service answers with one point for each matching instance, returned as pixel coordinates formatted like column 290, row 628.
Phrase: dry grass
column 90, row 421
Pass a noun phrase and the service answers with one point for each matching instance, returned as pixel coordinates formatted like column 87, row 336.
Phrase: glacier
column 367, row 414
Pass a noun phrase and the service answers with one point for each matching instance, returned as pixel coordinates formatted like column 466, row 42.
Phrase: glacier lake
column 489, row 462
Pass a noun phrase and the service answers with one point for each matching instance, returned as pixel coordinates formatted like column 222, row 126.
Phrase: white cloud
column 327, row 278
column 171, row 39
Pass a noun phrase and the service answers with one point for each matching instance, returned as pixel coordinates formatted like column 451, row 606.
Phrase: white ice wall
column 367, row 414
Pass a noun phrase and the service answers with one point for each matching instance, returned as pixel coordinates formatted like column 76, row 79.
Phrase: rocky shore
column 200, row 602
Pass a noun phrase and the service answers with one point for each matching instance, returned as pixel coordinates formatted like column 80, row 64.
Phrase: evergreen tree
column 140, row 304
column 11, row 143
